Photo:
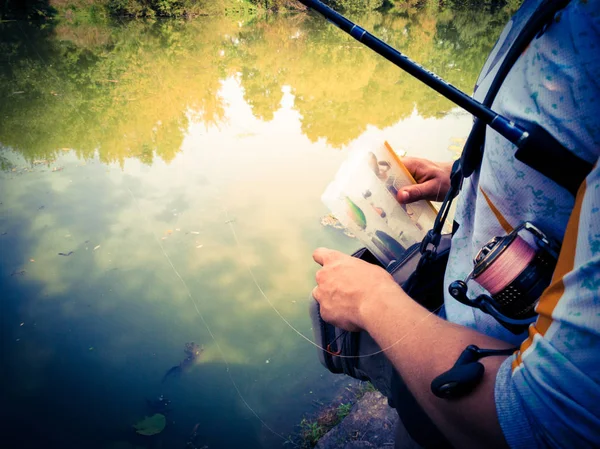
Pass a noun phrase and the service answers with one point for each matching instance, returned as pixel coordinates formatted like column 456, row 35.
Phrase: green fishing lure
column 356, row 214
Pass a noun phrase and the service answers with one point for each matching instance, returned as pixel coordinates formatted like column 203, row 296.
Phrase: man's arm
column 420, row 345
column 423, row 346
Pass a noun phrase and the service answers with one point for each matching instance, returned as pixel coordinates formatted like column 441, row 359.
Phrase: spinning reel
column 514, row 273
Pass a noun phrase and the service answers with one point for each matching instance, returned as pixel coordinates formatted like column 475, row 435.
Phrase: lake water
column 178, row 167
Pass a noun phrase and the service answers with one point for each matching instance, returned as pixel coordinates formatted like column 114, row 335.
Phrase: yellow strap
column 565, row 264
column 503, row 222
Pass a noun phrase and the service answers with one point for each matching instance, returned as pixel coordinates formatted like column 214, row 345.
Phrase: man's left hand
column 347, row 288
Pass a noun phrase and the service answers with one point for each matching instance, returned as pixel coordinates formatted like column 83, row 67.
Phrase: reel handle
column 458, row 290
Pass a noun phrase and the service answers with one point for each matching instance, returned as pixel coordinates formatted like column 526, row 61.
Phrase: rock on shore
column 372, row 424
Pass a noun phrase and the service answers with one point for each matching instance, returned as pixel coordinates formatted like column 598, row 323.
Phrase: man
column 547, row 394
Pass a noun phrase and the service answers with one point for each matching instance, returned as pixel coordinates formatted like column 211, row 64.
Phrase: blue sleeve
column 517, row 432
column 548, row 403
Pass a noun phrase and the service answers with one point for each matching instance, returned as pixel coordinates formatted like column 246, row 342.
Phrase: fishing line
column 190, row 296
column 507, row 266
column 181, row 279
column 291, row 326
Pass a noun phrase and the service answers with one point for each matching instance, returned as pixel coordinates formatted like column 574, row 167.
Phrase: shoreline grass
column 314, row 426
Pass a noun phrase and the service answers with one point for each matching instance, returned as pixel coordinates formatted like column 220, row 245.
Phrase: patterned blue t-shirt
column 548, row 393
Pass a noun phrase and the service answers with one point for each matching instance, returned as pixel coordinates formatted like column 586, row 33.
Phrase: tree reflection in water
column 130, row 89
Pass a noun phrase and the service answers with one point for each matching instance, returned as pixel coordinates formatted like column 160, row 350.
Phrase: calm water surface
column 180, row 167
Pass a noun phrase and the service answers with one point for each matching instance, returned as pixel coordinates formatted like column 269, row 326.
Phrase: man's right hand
column 433, row 180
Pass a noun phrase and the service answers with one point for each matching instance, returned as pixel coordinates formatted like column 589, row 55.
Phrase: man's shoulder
column 554, row 84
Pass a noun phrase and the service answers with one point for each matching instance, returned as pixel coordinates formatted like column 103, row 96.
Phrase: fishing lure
column 356, row 214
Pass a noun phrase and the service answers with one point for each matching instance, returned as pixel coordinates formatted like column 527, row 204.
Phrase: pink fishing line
column 507, row 266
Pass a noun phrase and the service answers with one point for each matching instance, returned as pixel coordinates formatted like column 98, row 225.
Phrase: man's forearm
column 422, row 346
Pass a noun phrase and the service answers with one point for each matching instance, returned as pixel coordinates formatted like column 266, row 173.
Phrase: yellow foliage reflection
column 130, row 89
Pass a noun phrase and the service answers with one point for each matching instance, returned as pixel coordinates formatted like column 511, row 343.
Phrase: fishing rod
column 508, row 129
column 529, row 138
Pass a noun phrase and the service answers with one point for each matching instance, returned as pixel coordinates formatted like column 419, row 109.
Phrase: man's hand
column 348, row 288
column 433, row 180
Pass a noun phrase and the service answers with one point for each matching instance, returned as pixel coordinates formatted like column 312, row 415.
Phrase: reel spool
column 514, row 273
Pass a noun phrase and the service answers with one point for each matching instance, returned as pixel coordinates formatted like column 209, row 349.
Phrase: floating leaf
column 151, row 425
